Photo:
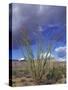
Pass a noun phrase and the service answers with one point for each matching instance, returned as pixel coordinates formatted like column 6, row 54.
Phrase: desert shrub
column 37, row 67
column 63, row 69
column 54, row 75
column 17, row 73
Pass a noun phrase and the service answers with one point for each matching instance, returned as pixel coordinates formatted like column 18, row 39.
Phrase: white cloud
column 61, row 53
column 63, row 49
column 21, row 59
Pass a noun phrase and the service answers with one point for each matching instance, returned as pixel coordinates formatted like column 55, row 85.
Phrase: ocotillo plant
column 36, row 67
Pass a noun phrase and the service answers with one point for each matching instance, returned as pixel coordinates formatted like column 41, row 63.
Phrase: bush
column 54, row 75
column 63, row 69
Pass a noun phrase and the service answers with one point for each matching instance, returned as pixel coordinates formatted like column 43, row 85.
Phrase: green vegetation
column 54, row 75
column 36, row 67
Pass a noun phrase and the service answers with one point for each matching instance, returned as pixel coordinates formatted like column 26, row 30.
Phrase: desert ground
column 22, row 77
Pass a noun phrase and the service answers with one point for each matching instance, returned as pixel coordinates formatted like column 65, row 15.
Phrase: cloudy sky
column 47, row 22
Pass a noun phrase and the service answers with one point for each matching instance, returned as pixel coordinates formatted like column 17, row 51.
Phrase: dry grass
column 22, row 77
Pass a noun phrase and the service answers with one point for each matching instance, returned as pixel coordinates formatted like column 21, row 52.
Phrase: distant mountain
column 21, row 59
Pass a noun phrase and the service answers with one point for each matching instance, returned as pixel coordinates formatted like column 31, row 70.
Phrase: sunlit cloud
column 61, row 52
column 62, row 49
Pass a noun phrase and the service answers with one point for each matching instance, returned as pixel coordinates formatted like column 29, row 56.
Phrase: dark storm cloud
column 56, row 32
column 32, row 17
column 36, row 15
